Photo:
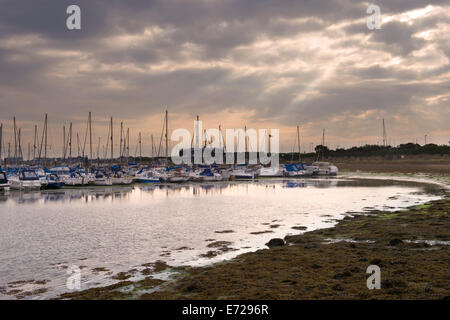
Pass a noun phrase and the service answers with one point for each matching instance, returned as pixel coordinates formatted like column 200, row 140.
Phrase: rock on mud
column 276, row 242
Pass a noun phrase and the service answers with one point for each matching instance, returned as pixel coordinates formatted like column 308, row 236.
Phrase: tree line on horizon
column 372, row 151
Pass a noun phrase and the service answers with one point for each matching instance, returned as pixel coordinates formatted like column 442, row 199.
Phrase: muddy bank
column 411, row 247
column 436, row 166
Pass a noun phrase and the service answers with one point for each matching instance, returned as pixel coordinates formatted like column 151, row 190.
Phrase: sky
column 255, row 63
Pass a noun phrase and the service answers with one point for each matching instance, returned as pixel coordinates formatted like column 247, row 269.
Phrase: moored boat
column 4, row 183
column 271, row 172
column 101, row 179
column 242, row 174
column 53, row 181
column 208, row 175
column 119, row 178
column 75, row 179
column 149, row 177
column 298, row 170
column 324, row 169
column 25, row 180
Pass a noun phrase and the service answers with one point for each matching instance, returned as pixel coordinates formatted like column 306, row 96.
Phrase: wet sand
column 411, row 247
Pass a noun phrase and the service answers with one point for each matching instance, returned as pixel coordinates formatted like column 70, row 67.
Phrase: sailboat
column 149, row 177
column 74, row 179
column 4, row 184
column 270, row 172
column 53, row 181
column 208, row 175
column 119, row 178
column 323, row 168
column 241, row 172
column 101, row 179
column 25, row 180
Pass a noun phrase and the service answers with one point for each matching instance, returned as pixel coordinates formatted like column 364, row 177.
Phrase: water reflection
column 311, row 183
column 119, row 228
column 194, row 189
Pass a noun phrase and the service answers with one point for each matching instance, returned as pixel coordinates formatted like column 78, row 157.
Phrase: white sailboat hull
column 122, row 181
column 25, row 185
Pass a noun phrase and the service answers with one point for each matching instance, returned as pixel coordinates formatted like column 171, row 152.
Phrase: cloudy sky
column 260, row 63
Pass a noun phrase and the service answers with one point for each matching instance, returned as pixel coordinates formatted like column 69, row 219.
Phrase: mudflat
column 411, row 247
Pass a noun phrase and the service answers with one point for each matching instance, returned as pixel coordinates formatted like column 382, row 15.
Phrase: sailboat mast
column 197, row 134
column 15, row 137
column 108, row 138
column 35, row 142
column 112, row 140
column 268, row 151
column 20, row 154
column 245, row 140
column 1, row 141
column 45, row 150
column 42, row 143
column 298, row 142
column 323, row 143
column 121, row 141
column 153, row 148
column 167, row 134
column 128, row 143
column 140, row 147
column 78, row 145
column 64, row 143
column 90, row 134
column 98, row 150
column 70, row 141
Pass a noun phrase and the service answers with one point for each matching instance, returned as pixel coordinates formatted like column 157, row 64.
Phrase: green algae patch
column 389, row 215
column 110, row 292
column 422, row 206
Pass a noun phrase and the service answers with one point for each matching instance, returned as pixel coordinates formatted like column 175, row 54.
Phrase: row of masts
column 40, row 148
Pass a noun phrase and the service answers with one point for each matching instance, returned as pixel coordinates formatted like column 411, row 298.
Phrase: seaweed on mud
column 299, row 228
column 218, row 244
column 290, row 272
column 122, row 276
column 157, row 266
column 102, row 293
column 311, row 268
column 261, row 232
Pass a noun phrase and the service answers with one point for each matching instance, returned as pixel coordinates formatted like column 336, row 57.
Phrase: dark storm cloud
column 286, row 60
column 398, row 38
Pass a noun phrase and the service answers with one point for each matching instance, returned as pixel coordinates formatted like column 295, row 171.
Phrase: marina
column 26, row 178
column 210, row 157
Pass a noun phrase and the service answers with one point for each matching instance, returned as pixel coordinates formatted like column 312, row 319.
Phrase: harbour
column 224, row 158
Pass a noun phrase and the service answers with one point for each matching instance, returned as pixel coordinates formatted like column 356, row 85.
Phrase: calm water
column 120, row 228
